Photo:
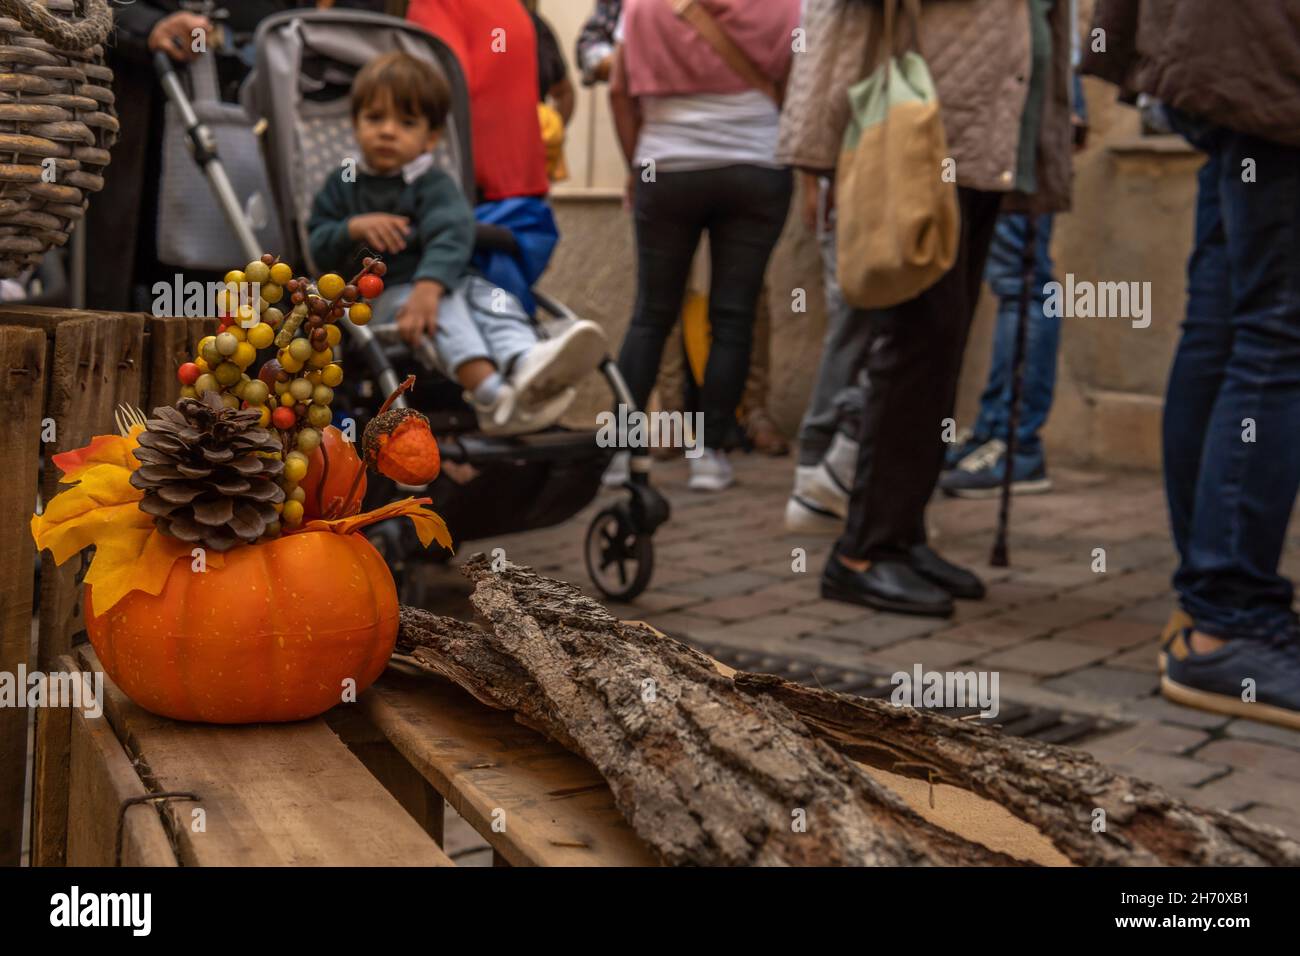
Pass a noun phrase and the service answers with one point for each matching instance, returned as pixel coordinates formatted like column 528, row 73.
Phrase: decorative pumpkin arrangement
column 230, row 582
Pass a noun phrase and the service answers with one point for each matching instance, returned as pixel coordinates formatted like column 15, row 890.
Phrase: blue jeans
column 1232, row 411
column 1042, row 336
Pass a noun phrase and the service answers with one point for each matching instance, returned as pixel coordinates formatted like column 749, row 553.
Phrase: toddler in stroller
column 397, row 202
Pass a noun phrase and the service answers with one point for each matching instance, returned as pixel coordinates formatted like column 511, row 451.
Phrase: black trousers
column 913, row 364
column 743, row 208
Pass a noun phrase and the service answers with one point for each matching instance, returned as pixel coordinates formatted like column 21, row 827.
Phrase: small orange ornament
column 400, row 445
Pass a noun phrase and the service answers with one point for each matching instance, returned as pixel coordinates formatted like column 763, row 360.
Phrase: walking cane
column 1028, row 257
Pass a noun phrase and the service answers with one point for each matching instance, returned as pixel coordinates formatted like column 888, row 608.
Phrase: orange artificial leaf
column 428, row 523
column 102, row 450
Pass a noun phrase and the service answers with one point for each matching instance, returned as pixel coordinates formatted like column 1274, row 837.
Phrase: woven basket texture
column 57, row 122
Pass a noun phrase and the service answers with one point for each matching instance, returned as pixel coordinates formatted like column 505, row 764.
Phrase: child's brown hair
column 416, row 87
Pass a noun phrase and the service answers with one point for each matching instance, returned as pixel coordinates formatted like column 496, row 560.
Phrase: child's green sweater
column 438, row 246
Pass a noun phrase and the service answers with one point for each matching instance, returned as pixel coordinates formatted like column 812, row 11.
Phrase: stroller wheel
column 620, row 559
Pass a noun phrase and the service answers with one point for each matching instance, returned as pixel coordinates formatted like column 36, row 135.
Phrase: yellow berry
column 244, row 355
column 331, row 375
column 202, row 363
column 257, row 271
column 314, row 376
column 227, row 374
column 292, row 513
column 264, row 418
column 234, row 276
column 288, row 362
column 295, row 469
column 204, row 343
column 239, row 333
column 332, row 335
column 229, row 400
column 321, row 359
column 286, row 399
column 261, row 335
column 330, row 285
column 272, row 293
column 281, row 273
column 359, row 314
column 187, row 391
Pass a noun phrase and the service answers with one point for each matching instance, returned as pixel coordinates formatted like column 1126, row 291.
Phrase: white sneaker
column 552, row 365
column 619, row 470
column 508, row 415
column 803, row 518
column 711, row 471
column 841, row 462
column 817, row 503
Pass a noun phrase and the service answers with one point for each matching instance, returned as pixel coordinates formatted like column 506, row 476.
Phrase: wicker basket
column 57, row 122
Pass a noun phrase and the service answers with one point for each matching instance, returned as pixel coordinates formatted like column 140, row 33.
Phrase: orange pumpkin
column 344, row 486
column 270, row 636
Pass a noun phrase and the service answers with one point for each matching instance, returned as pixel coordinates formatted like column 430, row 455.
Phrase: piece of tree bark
column 1056, row 789
column 704, row 773
column 711, row 770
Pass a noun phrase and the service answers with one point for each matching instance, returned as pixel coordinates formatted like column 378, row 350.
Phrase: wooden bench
column 362, row 786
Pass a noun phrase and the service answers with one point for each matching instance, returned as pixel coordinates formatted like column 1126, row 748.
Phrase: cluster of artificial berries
column 292, row 391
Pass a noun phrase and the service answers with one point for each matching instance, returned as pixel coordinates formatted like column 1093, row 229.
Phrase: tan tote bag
column 897, row 220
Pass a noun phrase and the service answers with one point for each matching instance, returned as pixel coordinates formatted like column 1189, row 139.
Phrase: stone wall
column 1132, row 221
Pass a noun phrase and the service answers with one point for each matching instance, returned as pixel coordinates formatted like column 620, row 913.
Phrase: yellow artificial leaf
column 101, row 506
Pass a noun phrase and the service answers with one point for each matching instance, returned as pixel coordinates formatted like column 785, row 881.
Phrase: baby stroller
column 298, row 94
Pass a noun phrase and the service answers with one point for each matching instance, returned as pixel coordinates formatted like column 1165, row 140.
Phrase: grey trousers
column 839, row 390
column 475, row 320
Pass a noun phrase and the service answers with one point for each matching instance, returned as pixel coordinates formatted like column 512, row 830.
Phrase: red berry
column 370, row 286
column 283, row 418
column 188, row 373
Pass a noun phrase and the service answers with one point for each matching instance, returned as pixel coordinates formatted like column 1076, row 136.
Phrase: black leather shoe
column 957, row 581
column 885, row 586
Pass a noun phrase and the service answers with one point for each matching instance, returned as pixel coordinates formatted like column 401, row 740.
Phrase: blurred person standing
column 496, row 45
column 1229, row 77
column 699, row 134
column 1001, row 69
column 976, row 462
column 122, row 222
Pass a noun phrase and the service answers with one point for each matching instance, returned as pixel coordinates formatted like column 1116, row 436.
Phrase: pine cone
column 202, row 478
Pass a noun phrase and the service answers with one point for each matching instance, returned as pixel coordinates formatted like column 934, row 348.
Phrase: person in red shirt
column 496, row 45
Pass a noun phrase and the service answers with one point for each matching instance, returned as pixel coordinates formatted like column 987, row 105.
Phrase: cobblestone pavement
column 1060, row 634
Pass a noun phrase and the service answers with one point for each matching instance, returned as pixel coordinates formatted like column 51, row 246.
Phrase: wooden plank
column 51, row 775
column 102, row 780
column 172, row 340
column 98, row 362
column 386, row 763
column 22, row 391
column 272, row 794
column 550, row 807
column 49, row 318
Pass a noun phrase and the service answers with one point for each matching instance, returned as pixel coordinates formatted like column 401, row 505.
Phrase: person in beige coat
column 1002, row 72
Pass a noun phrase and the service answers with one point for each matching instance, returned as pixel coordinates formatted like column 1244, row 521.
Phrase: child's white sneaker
column 552, row 365
column 711, row 471
column 507, row 415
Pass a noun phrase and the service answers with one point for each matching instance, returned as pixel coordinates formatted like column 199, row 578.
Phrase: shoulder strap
column 706, row 26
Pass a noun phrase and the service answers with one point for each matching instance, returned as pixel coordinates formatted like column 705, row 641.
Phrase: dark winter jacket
column 1235, row 63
